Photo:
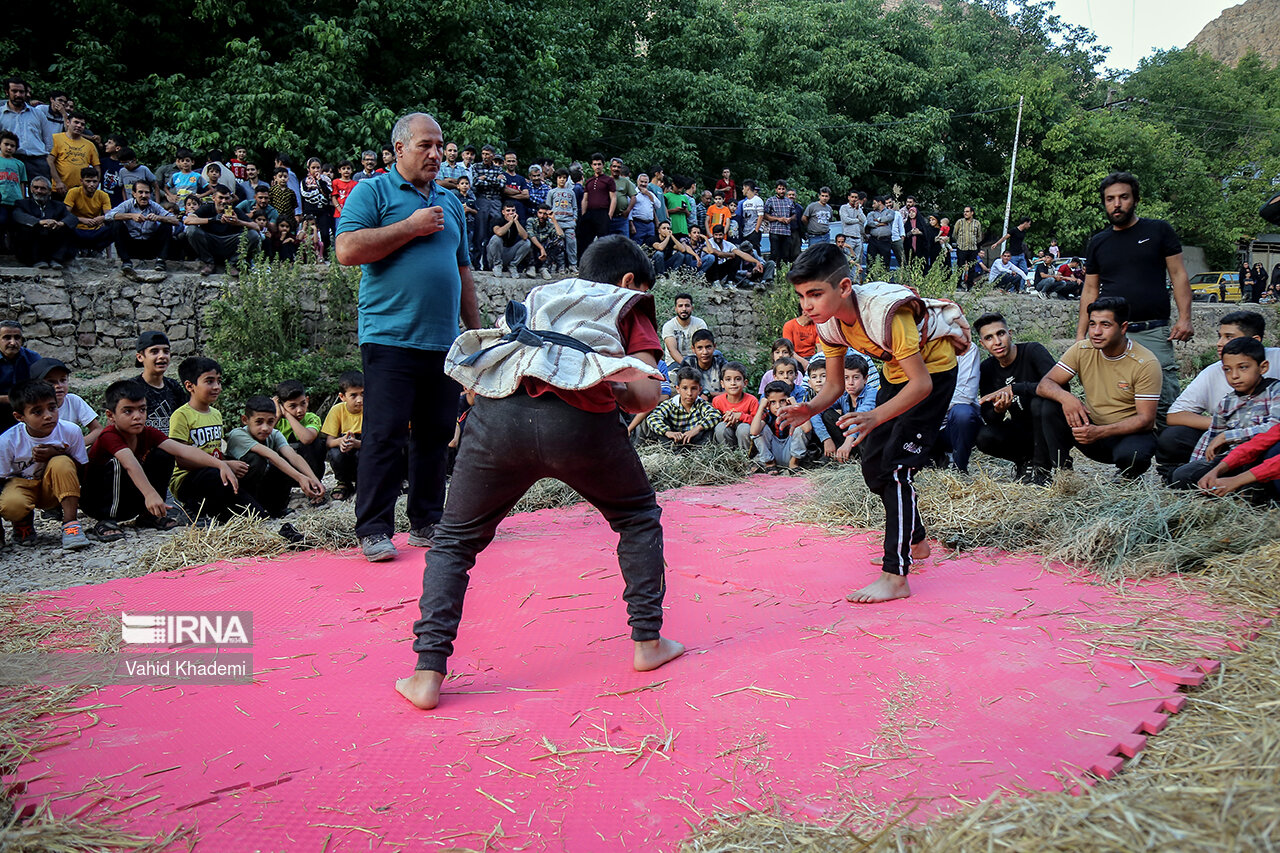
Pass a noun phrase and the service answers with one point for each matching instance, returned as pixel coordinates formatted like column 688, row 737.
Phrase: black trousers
column 108, row 493
column 266, row 484
column 155, row 245
column 403, row 386
column 891, row 455
column 1131, row 454
column 879, row 247
column 512, row 443
column 33, row 244
column 313, row 454
column 1174, row 446
column 594, row 223
column 346, row 466
column 203, row 493
column 1020, row 438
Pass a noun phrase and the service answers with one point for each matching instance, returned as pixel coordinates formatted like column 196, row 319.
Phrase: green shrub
column 246, row 375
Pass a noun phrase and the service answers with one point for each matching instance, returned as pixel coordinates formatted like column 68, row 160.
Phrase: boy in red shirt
column 736, row 407
column 342, row 186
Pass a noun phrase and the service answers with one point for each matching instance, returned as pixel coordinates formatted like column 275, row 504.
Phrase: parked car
column 1215, row 287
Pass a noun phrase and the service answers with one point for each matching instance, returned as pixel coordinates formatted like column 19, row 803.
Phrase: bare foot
column 919, row 551
column 422, row 688
column 651, row 654
column 886, row 588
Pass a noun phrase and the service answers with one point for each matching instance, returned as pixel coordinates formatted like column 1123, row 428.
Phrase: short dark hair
column 221, row 189
column 126, row 153
column 777, row 386
column 597, row 156
column 1117, row 305
column 822, row 262
column 1248, row 347
column 817, row 363
column 349, row 379
column 259, row 403
column 8, row 134
column 749, row 183
column 511, row 203
column 702, row 335
column 89, row 172
column 214, row 167
column 290, row 389
column 688, row 373
column 29, row 393
column 1120, row 178
column 854, row 361
column 608, row 260
column 987, row 319
column 184, row 154
column 826, row 190
column 1023, row 219
column 124, row 389
column 192, row 368
column 785, row 360
column 783, row 342
column 734, row 365
column 1250, row 322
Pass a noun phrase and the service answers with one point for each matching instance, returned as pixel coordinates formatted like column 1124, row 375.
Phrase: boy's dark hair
column 702, row 335
column 192, row 368
column 1251, row 323
column 987, row 319
column 777, row 386
column 1247, row 347
column 1117, row 305
column 608, row 259
column 126, row 154
column 816, row 364
column 823, row 262
column 280, row 170
column 561, row 171
column 184, row 154
column 786, row 359
column 783, row 342
column 124, row 389
column 214, row 154
column 511, row 203
column 89, row 172
column 8, row 134
column 74, row 114
column 597, row 156
column 259, row 404
column 681, row 375
column 1120, row 178
column 213, row 168
column 290, row 389
column 749, row 183
column 735, row 365
column 853, row 361
column 349, row 379
column 29, row 393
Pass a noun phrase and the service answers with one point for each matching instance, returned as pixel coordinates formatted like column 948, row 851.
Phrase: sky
column 1136, row 28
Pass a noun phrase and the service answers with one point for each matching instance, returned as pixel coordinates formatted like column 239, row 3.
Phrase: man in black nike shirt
column 1012, row 413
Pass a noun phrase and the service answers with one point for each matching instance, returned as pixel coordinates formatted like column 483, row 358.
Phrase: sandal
column 108, row 531
column 164, row 522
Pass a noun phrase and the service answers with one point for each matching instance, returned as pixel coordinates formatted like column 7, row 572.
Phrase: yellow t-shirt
column 87, row 206
column 72, row 155
column 938, row 355
column 1113, row 385
column 342, row 420
column 198, row 429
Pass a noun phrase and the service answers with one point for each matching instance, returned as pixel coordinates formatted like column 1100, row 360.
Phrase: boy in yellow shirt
column 916, row 385
column 342, row 428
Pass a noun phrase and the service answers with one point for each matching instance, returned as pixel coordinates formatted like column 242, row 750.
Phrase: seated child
column 39, row 458
column 782, row 348
column 737, row 408
column 638, row 428
column 70, row 406
column 213, row 491
column 273, row 466
column 342, row 428
column 164, row 393
column 300, row 426
column 858, row 396
column 786, row 370
column 131, row 464
column 685, row 419
column 1251, row 409
column 709, row 363
column 774, row 441
column 1262, row 452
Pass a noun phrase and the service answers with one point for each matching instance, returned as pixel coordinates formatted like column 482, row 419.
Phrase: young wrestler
column 776, row 439
column 273, row 467
column 1251, row 409
column 499, row 461
column 686, row 418
column 131, row 463
column 71, row 407
column 38, row 457
column 736, row 407
column 343, row 426
column 916, row 387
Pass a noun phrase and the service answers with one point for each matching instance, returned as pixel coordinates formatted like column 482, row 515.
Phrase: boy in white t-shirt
column 71, row 407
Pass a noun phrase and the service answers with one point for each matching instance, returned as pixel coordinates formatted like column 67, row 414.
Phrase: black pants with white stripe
column 109, row 494
column 892, row 454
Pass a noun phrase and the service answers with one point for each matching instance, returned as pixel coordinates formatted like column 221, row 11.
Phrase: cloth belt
column 1143, row 325
column 516, row 317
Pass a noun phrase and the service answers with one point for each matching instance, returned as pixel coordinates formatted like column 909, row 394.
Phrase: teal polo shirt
column 412, row 297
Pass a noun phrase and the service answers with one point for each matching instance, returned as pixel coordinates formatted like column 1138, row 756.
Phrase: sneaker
column 378, row 548
column 54, row 265
column 206, row 270
column 73, row 538
column 1038, row 294
column 161, row 266
column 291, row 534
column 40, row 265
column 24, row 532
column 530, row 273
column 126, row 267
column 422, row 537
column 546, row 275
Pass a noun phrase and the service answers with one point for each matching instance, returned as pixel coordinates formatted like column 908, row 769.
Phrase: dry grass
column 1209, row 782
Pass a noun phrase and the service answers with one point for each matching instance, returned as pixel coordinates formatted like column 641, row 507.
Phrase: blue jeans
column 620, row 225
column 1019, row 261
column 960, row 429
column 815, row 239
column 646, row 231
column 707, row 262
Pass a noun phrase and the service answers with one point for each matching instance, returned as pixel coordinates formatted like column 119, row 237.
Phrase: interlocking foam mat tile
column 994, row 676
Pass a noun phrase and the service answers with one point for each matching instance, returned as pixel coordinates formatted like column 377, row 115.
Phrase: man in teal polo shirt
column 409, row 237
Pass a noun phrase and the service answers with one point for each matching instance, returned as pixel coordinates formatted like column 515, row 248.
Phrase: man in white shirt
column 1192, row 413
column 964, row 416
column 852, row 219
column 677, row 333
column 752, row 213
column 1008, row 276
column 643, row 212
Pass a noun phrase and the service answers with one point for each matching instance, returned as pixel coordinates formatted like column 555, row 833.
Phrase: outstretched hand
column 795, row 415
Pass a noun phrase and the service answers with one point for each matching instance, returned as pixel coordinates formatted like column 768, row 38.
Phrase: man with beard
column 1130, row 260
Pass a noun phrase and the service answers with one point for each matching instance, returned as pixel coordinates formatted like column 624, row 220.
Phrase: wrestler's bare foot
column 919, row 551
column 422, row 688
column 651, row 654
column 886, row 588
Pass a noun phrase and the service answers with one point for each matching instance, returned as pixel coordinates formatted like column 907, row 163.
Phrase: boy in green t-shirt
column 678, row 207
column 301, row 427
column 13, row 182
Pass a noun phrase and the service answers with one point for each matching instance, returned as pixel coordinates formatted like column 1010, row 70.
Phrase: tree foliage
column 844, row 93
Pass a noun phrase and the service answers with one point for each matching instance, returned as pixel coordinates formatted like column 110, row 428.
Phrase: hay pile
column 1209, row 782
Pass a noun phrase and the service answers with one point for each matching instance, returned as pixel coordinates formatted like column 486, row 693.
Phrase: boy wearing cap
column 71, row 407
column 15, row 367
column 164, row 393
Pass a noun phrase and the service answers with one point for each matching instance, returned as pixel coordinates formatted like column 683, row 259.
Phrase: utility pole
column 1013, row 164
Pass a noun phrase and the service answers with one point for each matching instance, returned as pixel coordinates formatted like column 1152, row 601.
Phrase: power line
column 812, row 127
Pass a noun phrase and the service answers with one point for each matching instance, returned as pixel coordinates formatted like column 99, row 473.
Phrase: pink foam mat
column 990, row 677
